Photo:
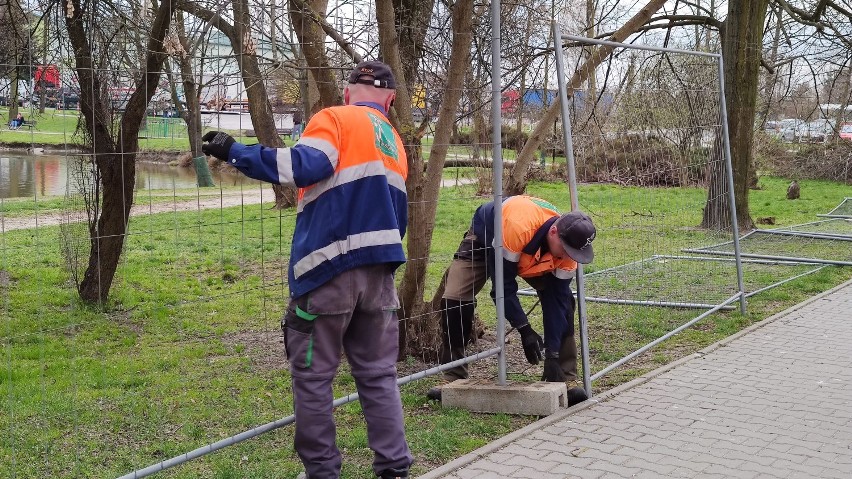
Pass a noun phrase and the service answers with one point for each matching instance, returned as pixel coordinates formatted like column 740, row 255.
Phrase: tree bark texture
column 412, row 19
column 742, row 43
column 517, row 180
column 424, row 333
column 114, row 160
column 312, row 40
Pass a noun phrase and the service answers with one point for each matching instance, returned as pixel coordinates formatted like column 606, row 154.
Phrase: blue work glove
column 218, row 144
column 532, row 344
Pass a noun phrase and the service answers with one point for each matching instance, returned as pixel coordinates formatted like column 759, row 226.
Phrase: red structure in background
column 47, row 76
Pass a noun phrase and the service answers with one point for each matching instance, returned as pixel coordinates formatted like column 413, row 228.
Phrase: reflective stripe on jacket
column 350, row 167
column 525, row 223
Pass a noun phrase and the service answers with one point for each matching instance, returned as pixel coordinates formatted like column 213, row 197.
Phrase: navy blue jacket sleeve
column 514, row 311
column 300, row 166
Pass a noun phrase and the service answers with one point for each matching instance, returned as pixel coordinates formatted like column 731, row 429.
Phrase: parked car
column 770, row 127
column 815, row 131
column 788, row 129
column 846, row 131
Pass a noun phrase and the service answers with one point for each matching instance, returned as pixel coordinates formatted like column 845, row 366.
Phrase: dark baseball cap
column 373, row 73
column 577, row 232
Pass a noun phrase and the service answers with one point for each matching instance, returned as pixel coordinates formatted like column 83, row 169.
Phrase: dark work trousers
column 355, row 312
column 557, row 311
column 466, row 278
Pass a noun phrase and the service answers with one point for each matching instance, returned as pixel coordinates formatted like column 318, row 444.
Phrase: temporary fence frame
column 740, row 296
column 832, row 214
column 797, row 259
column 801, row 226
column 681, row 305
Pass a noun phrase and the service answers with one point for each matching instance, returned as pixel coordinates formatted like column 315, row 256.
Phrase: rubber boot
column 456, row 335
column 394, row 473
column 568, row 357
column 568, row 365
column 552, row 371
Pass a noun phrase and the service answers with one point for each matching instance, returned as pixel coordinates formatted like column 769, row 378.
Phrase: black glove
column 532, row 343
column 218, row 144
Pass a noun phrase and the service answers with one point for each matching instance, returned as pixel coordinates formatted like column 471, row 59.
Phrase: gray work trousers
column 353, row 313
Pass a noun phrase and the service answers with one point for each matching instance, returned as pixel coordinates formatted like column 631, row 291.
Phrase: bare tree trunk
column 412, row 19
column 479, row 133
column 192, row 113
column 517, row 181
column 424, row 204
column 519, row 120
column 312, row 40
column 769, row 87
column 411, row 288
column 591, row 33
column 844, row 98
column 115, row 160
column 45, row 30
column 14, row 94
column 741, row 50
column 260, row 109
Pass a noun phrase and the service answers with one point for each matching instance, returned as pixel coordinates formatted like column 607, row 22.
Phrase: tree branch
column 329, row 30
column 673, row 21
column 210, row 16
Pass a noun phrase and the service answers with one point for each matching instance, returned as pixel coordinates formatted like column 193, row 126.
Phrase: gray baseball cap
column 577, row 232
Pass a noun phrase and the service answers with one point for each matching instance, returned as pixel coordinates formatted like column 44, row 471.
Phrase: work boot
column 568, row 357
column 394, row 473
column 552, row 371
column 576, row 395
column 434, row 393
column 456, row 334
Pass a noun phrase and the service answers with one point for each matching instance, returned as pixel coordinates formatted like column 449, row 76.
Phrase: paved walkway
column 772, row 401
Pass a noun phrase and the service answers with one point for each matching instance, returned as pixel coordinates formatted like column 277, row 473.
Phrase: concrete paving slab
column 774, row 400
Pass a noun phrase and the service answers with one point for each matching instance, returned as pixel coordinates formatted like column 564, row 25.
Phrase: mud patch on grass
column 516, row 363
column 264, row 349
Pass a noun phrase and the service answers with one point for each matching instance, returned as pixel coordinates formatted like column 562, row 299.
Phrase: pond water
column 29, row 176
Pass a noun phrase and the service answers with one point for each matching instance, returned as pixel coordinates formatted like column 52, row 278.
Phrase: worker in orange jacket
column 350, row 167
column 543, row 247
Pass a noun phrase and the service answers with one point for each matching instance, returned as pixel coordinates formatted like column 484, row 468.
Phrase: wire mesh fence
column 185, row 345
column 832, row 227
column 182, row 348
column 843, row 210
column 789, row 246
column 679, row 280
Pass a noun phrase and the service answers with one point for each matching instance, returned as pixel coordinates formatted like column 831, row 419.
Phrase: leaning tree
column 114, row 141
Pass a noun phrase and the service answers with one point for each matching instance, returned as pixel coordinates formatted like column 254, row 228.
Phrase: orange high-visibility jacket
column 350, row 167
column 523, row 216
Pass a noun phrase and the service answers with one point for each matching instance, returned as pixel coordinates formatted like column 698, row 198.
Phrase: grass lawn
column 58, row 128
column 188, row 350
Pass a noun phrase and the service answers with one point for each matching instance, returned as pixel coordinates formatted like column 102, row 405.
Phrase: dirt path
column 223, row 200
